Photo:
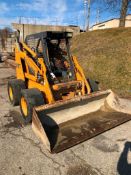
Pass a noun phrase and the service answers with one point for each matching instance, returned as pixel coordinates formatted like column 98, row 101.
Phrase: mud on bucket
column 65, row 124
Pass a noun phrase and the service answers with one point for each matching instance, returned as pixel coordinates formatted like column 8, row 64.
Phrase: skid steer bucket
column 64, row 124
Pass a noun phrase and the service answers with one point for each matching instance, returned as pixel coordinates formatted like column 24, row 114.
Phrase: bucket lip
column 75, row 99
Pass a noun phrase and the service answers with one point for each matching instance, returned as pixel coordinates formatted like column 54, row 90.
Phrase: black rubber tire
column 16, row 86
column 1, row 59
column 93, row 84
column 33, row 97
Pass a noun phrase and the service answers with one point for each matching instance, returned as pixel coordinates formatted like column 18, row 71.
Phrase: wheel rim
column 11, row 93
column 24, row 106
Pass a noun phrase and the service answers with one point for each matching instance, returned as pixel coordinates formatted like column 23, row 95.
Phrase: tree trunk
column 124, row 9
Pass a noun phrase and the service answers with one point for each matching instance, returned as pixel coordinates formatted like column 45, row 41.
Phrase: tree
column 4, row 34
column 124, row 9
column 121, row 6
column 116, row 7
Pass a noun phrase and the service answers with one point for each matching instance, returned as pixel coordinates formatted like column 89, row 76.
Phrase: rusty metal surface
column 51, row 121
column 66, row 85
column 67, row 123
column 73, row 132
column 60, row 103
column 86, row 127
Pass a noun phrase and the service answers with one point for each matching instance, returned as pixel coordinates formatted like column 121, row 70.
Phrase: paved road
column 22, row 153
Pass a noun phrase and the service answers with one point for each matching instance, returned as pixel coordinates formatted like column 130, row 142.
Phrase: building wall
column 109, row 24
column 114, row 23
column 27, row 29
column 128, row 21
column 128, row 17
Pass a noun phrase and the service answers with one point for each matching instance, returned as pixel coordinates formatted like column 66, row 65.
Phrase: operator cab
column 58, row 58
column 54, row 48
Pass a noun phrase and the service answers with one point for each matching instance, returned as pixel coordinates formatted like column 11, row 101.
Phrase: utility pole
column 77, row 20
column 35, row 21
column 97, row 16
column 85, row 14
column 27, row 19
column 56, row 21
column 87, row 8
column 88, row 15
column 20, row 20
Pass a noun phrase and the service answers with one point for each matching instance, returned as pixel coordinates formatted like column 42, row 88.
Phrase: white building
column 112, row 23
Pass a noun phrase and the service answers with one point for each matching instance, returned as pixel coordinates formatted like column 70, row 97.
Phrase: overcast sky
column 62, row 12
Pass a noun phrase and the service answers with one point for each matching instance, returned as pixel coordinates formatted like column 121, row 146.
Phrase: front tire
column 29, row 99
column 14, row 90
column 94, row 85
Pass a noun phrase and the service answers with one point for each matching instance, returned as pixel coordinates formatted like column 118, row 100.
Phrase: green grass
column 105, row 56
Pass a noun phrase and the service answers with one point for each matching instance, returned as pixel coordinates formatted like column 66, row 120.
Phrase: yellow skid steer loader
column 65, row 108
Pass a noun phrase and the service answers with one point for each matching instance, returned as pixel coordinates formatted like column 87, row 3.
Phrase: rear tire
column 29, row 99
column 14, row 90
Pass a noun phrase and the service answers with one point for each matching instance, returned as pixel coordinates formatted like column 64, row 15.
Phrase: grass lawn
column 105, row 56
